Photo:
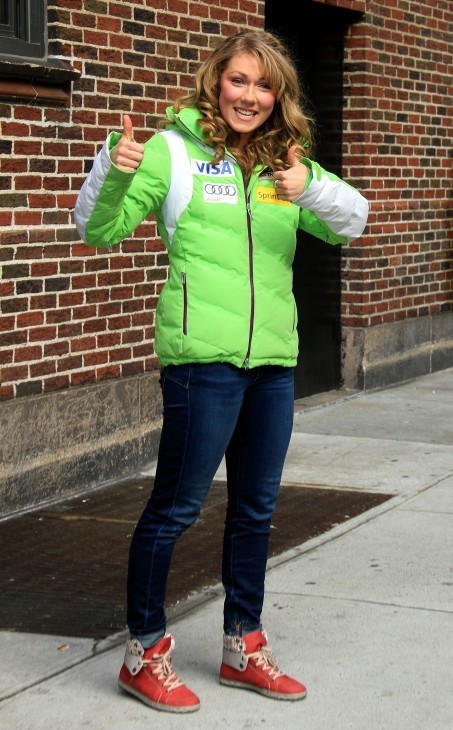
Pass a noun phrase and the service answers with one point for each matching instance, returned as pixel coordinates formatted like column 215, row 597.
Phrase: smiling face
column 246, row 100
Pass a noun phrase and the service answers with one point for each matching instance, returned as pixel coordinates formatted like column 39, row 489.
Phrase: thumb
column 292, row 157
column 127, row 128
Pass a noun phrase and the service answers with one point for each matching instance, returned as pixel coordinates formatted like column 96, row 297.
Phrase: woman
column 229, row 188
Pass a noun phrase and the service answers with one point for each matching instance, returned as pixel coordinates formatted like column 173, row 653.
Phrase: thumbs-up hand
column 127, row 154
column 290, row 183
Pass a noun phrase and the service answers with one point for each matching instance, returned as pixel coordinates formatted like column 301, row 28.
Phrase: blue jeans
column 211, row 410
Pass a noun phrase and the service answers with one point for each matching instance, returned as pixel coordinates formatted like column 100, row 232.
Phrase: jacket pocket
column 184, row 302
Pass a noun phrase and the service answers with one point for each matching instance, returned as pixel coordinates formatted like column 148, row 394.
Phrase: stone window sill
column 45, row 81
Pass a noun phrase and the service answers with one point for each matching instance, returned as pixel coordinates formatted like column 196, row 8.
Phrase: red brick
column 84, row 377
column 179, row 7
column 28, row 182
column 83, row 344
column 42, row 200
column 67, row 201
column 59, row 382
column 85, row 312
column 167, row 20
column 13, row 237
column 14, row 165
column 7, row 323
column 41, row 334
column 27, row 147
column 190, row 23
column 120, row 353
column 108, row 373
column 45, row 268
column 111, row 24
column 56, row 349
column 118, row 40
column 27, row 218
column 144, row 317
column 132, row 336
column 74, row 362
column 6, row 356
column 112, row 339
column 70, row 166
column 96, row 357
column 14, row 373
column 7, row 289
column 30, row 319
column 69, row 329
column 95, row 325
column 82, row 249
column 132, row 368
column 15, row 129
column 122, row 292
column 44, row 367
column 101, row 295
column 5, row 218
column 6, row 392
column 120, row 10
column 25, row 354
column 85, row 281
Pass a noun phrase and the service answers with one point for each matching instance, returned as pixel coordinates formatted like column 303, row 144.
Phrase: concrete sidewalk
column 362, row 614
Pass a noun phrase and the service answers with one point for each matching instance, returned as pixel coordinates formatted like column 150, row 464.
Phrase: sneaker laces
column 161, row 666
column 263, row 658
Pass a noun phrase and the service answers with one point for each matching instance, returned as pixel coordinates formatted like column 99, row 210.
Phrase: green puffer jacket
column 228, row 297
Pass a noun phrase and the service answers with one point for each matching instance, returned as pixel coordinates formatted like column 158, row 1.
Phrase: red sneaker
column 248, row 663
column 148, row 675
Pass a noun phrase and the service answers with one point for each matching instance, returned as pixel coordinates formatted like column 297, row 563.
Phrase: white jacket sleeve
column 334, row 202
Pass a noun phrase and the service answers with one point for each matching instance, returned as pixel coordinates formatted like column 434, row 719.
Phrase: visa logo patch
column 219, row 169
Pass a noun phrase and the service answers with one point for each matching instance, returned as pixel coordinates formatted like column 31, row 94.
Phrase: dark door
column 315, row 32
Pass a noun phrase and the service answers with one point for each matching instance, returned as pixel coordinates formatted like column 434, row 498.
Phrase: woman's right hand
column 127, row 154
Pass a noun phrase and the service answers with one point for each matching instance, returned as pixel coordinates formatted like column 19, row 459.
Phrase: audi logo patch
column 220, row 193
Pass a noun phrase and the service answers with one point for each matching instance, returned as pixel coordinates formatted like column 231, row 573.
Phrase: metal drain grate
column 63, row 568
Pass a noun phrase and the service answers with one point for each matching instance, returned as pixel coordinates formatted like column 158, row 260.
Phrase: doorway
column 315, row 33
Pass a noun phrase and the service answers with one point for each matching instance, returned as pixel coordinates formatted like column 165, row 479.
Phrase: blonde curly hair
column 287, row 125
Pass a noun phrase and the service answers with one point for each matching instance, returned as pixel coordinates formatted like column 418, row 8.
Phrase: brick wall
column 397, row 132
column 71, row 315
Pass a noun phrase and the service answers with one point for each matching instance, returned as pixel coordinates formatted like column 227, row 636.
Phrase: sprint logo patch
column 269, row 195
column 220, row 193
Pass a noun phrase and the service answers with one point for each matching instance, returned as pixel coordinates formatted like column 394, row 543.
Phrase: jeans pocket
column 179, row 374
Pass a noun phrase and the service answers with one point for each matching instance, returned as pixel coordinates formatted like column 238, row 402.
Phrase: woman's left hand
column 290, row 183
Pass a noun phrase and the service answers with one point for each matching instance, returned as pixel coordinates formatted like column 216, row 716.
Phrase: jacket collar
column 186, row 120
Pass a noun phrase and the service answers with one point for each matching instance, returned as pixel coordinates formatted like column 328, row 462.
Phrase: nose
column 249, row 94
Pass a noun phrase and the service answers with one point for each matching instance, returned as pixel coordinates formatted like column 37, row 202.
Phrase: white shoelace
column 266, row 661
column 162, row 668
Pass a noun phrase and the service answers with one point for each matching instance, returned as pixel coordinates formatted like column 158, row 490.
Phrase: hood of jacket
column 186, row 121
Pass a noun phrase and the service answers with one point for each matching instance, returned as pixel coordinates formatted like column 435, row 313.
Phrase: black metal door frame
column 315, row 33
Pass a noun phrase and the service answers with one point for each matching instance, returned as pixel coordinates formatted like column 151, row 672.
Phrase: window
column 23, row 28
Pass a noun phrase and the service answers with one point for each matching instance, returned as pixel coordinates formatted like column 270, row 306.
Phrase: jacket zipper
column 184, row 305
column 252, row 284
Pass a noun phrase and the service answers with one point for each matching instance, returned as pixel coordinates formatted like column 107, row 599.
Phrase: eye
column 265, row 85
column 237, row 80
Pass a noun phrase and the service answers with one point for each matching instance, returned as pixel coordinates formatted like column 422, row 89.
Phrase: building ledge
column 44, row 80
